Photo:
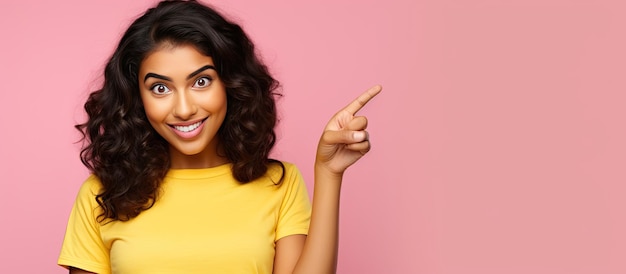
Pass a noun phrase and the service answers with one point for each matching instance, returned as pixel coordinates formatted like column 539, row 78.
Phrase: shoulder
column 90, row 187
column 86, row 207
column 290, row 167
column 287, row 169
column 92, row 183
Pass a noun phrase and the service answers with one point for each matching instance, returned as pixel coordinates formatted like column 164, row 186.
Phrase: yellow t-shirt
column 204, row 221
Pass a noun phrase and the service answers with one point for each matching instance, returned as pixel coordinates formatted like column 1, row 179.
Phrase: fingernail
column 359, row 136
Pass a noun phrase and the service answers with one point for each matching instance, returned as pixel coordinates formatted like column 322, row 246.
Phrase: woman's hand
column 345, row 140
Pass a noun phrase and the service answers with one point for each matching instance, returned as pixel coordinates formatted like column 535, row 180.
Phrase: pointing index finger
column 360, row 101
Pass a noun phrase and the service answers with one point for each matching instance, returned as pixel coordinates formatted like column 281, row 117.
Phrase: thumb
column 343, row 136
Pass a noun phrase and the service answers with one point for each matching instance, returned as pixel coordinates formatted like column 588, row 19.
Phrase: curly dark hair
column 123, row 150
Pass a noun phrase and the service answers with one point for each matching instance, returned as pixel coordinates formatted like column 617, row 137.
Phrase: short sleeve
column 295, row 210
column 83, row 246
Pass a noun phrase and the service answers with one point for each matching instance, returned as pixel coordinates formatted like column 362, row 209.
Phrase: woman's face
column 185, row 102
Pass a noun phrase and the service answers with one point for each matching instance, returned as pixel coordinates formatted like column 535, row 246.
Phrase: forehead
column 174, row 61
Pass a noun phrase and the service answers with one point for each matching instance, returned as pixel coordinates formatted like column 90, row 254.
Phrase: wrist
column 324, row 173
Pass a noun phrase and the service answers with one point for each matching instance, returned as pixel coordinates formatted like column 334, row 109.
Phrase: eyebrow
column 191, row 75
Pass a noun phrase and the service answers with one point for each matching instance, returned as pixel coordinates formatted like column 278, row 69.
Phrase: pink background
column 499, row 140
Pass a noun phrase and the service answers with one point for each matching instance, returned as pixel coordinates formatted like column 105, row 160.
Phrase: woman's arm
column 343, row 142
column 319, row 254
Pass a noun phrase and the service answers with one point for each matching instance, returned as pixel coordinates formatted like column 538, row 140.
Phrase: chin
column 189, row 151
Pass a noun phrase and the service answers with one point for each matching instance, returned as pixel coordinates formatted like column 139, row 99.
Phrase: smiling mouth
column 188, row 128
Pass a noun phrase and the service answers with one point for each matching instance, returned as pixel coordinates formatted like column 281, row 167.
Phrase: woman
column 178, row 144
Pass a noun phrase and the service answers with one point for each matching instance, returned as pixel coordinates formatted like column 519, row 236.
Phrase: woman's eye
column 202, row 82
column 160, row 89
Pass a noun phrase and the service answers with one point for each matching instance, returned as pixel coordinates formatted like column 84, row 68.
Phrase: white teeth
column 188, row 128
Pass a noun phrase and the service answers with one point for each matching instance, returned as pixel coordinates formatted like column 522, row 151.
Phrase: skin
column 179, row 86
column 343, row 142
column 184, row 97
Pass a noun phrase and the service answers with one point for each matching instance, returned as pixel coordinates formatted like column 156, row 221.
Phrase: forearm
column 320, row 249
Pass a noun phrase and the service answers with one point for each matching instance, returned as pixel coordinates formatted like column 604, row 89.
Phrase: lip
column 189, row 134
column 182, row 124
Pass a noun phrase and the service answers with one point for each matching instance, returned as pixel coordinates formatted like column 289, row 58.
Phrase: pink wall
column 499, row 140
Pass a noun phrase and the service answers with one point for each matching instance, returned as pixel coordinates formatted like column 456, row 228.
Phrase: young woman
column 178, row 144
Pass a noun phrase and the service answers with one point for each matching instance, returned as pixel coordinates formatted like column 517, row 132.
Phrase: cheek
column 216, row 103
column 155, row 111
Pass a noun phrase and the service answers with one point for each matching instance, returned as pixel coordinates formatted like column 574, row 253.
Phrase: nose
column 185, row 106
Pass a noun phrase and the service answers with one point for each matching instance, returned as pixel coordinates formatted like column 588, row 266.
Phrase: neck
column 204, row 159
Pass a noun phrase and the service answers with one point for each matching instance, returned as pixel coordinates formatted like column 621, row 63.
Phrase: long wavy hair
column 123, row 150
